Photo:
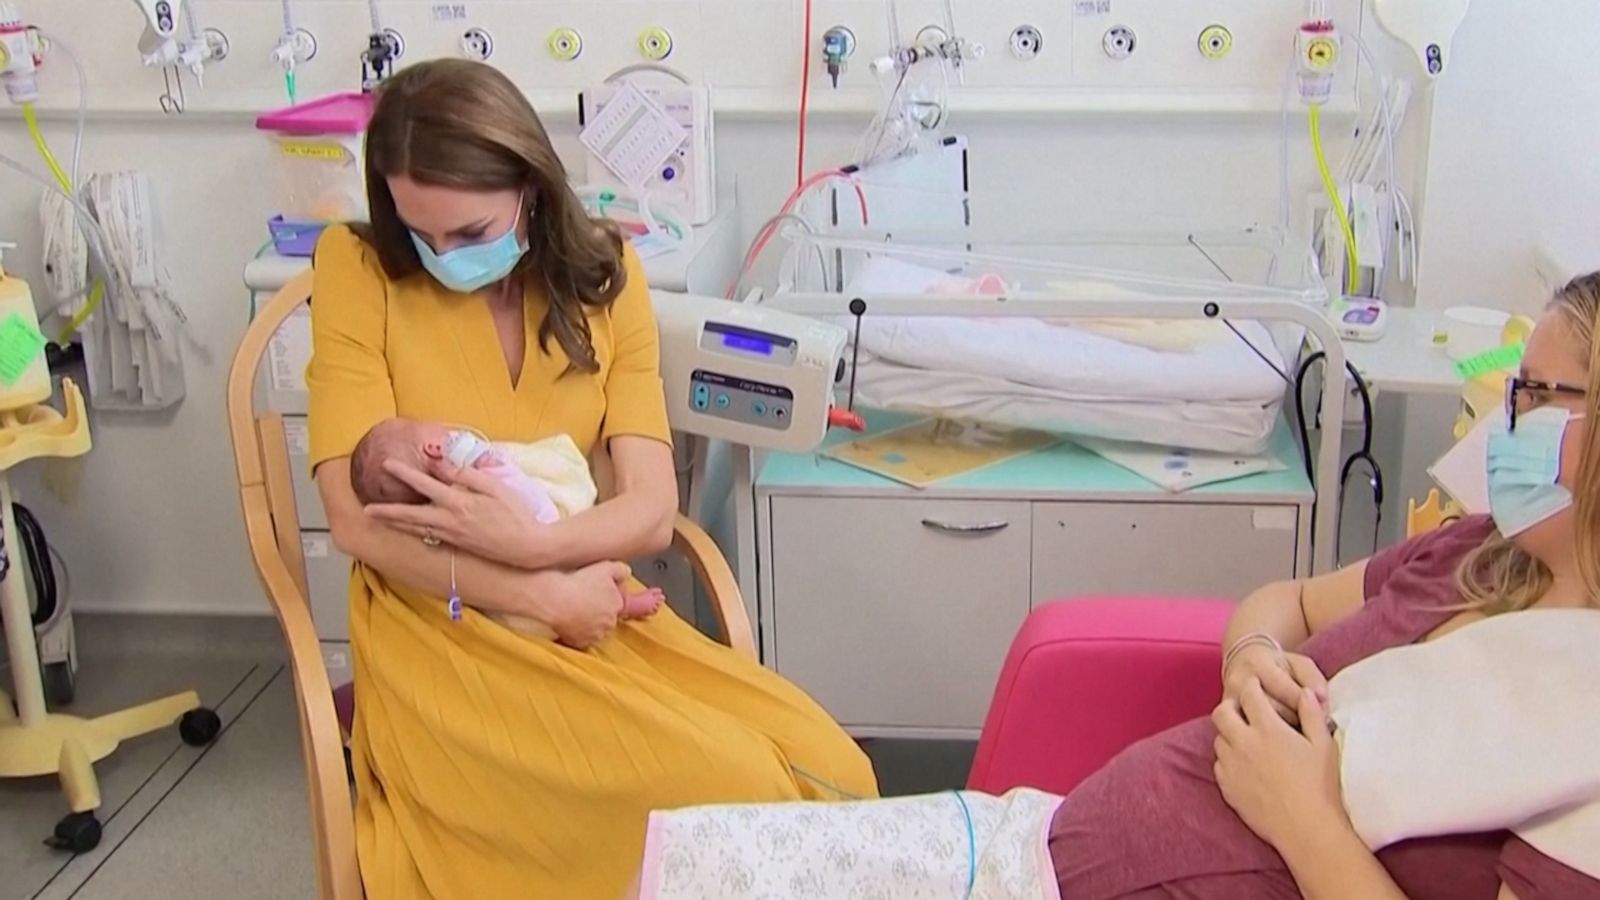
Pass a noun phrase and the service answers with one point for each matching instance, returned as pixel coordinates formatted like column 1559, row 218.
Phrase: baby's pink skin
column 528, row 489
column 643, row 604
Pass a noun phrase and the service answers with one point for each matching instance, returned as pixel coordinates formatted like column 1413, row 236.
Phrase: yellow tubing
column 1353, row 276
column 32, row 118
column 98, row 292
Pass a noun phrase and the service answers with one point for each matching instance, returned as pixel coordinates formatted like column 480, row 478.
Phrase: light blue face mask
column 475, row 266
column 1523, row 468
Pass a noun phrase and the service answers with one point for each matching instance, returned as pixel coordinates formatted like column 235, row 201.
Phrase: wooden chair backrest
column 272, row 526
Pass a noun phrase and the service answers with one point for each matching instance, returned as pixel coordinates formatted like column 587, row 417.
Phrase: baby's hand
column 643, row 604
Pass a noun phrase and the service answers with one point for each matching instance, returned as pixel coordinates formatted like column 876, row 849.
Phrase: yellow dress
column 492, row 765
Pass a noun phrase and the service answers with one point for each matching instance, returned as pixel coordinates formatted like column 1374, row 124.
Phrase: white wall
column 155, row 525
column 1513, row 176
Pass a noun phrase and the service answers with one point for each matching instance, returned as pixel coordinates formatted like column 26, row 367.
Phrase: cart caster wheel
column 60, row 685
column 199, row 727
column 78, row 833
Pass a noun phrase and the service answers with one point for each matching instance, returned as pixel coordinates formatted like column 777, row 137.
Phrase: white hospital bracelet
column 1249, row 640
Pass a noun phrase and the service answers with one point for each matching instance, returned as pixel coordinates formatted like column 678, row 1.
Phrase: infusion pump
column 748, row 375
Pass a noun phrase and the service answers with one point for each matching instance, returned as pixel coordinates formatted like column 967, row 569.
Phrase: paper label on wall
column 290, row 352
column 1089, row 8
column 305, row 150
column 449, row 12
column 1274, row 518
column 298, row 436
column 314, row 547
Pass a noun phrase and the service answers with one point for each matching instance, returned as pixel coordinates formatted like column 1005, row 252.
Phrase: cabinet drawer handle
column 974, row 528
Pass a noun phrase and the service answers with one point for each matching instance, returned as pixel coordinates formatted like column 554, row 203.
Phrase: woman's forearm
column 1273, row 610
column 1334, row 864
column 406, row 560
column 626, row 527
column 485, row 586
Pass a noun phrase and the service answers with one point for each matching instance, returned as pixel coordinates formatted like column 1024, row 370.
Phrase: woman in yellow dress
column 489, row 764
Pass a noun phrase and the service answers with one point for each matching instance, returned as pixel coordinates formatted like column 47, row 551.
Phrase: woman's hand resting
column 1282, row 676
column 1283, row 782
column 468, row 509
column 584, row 606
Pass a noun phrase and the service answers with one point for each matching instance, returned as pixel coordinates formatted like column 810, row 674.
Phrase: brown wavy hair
column 1499, row 576
column 460, row 124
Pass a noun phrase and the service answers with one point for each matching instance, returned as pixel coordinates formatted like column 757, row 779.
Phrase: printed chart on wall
column 934, row 450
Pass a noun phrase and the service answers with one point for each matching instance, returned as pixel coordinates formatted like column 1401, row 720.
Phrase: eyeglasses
column 1523, row 395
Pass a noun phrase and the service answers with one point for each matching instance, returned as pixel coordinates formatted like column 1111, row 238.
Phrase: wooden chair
column 272, row 526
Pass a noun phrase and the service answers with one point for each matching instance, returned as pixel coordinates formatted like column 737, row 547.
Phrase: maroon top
column 1152, row 824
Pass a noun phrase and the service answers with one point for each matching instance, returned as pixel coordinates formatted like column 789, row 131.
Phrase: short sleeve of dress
column 636, row 403
column 1534, row 876
column 1446, row 545
column 349, row 376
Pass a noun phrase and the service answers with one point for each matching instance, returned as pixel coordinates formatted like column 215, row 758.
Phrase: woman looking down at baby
column 490, row 762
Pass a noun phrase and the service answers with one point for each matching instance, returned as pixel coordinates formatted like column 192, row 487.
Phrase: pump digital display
column 748, row 343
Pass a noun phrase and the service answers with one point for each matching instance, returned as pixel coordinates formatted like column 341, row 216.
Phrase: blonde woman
column 1247, row 804
column 490, row 764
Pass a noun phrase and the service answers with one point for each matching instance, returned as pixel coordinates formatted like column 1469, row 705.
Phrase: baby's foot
column 643, row 604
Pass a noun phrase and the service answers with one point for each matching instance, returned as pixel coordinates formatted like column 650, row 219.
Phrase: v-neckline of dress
column 491, row 372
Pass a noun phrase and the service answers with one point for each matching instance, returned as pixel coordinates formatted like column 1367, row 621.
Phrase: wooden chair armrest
column 712, row 569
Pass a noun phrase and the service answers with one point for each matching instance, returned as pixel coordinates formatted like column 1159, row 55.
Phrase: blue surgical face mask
column 1524, row 466
column 475, row 266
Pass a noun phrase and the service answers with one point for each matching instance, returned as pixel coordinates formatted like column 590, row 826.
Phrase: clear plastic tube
column 92, row 231
column 1389, row 126
column 56, row 43
column 377, row 20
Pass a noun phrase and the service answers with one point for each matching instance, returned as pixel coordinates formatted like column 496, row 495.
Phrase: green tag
column 1499, row 359
column 20, row 345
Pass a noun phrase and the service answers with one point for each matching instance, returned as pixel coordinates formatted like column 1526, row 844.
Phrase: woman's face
column 446, row 218
column 1555, row 356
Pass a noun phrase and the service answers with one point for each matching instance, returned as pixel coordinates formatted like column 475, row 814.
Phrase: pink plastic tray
column 346, row 113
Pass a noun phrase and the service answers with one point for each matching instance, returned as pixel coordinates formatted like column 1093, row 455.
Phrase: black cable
column 40, row 569
column 1364, row 455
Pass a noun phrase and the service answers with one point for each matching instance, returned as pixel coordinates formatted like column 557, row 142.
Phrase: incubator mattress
column 1218, row 395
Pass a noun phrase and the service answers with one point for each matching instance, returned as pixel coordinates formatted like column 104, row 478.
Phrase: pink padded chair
column 1086, row 678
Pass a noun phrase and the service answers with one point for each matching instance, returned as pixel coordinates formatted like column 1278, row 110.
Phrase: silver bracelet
column 1249, row 640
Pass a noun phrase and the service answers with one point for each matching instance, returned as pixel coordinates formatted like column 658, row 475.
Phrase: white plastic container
column 1474, row 330
column 319, row 158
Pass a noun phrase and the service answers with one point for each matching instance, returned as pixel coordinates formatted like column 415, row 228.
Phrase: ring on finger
column 429, row 538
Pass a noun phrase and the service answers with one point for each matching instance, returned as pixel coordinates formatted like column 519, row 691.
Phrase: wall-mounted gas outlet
column 1119, row 42
column 565, row 44
column 838, row 45
column 655, row 43
column 1026, row 42
column 477, row 44
column 1216, row 41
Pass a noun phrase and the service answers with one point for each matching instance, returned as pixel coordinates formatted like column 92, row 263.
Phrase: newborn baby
column 550, row 476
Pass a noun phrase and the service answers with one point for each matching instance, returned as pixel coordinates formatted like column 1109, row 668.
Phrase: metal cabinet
column 896, row 614
column 1185, row 549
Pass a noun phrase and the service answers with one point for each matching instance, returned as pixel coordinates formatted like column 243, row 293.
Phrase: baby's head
column 407, row 440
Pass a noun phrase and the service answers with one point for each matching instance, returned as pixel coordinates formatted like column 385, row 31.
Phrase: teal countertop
column 1063, row 469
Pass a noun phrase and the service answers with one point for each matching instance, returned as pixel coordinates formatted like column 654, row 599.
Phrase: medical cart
column 894, row 607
